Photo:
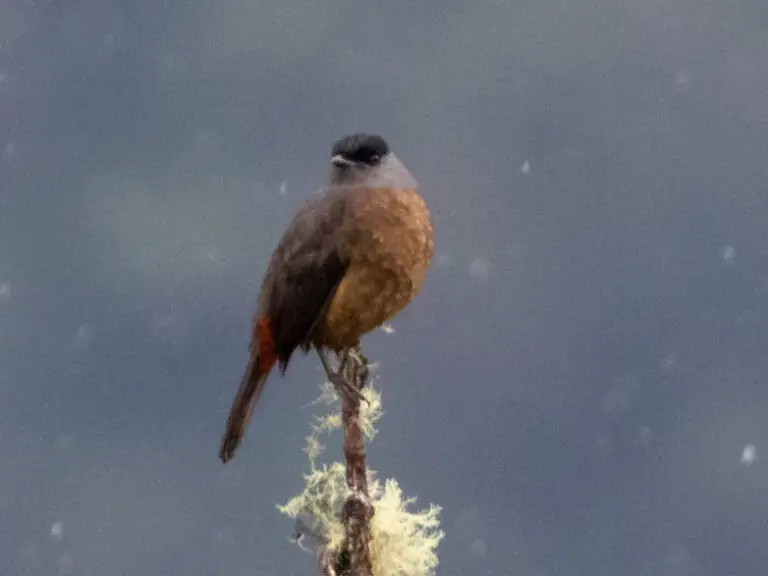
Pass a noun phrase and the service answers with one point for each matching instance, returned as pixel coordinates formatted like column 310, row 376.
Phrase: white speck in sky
column 5, row 291
column 480, row 268
column 667, row 363
column 83, row 335
column 444, row 260
column 388, row 328
column 620, row 398
column 728, row 254
column 644, row 433
column 214, row 256
column 66, row 564
column 748, row 454
column 603, row 443
column 9, row 150
column 479, row 547
column 283, row 189
column 57, row 531
column 203, row 137
column 526, row 167
column 63, row 444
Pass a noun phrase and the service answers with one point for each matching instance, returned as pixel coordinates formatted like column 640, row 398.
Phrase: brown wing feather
column 298, row 305
column 304, row 272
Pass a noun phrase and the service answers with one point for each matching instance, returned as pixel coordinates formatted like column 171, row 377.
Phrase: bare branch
column 357, row 508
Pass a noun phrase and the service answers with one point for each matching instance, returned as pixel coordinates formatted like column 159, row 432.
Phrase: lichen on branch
column 402, row 543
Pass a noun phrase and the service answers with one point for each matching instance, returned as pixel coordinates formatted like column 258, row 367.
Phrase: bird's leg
column 364, row 372
column 354, row 366
column 342, row 357
column 333, row 376
column 337, row 377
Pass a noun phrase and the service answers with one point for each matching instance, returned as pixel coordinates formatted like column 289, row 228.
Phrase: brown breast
column 386, row 235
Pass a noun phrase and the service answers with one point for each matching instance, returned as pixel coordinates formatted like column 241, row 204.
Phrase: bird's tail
column 262, row 360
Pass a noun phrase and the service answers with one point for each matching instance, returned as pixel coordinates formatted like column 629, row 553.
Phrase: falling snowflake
column 748, row 455
column 444, row 260
column 526, row 167
column 667, row 363
column 480, row 268
column 83, row 335
column 644, row 435
column 388, row 328
column 728, row 254
column 57, row 531
column 479, row 547
column 66, row 564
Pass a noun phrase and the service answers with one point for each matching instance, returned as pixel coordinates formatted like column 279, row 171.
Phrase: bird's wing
column 304, row 273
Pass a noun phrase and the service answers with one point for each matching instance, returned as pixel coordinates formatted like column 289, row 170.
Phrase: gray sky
column 581, row 383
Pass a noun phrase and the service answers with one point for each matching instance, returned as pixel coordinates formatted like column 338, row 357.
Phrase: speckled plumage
column 351, row 259
column 386, row 235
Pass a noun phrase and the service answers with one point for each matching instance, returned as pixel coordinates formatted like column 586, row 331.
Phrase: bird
column 353, row 256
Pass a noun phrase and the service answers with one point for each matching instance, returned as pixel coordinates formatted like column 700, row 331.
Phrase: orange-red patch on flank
column 267, row 357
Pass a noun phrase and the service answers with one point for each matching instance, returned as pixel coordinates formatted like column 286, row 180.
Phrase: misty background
column 581, row 384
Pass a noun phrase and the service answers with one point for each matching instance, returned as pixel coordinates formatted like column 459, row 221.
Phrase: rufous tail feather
column 251, row 387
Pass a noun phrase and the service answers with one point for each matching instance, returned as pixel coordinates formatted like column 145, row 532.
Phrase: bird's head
column 367, row 159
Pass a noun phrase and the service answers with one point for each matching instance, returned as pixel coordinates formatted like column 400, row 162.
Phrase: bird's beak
column 340, row 162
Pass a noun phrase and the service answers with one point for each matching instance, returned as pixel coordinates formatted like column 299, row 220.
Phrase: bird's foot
column 363, row 371
column 351, row 375
column 344, row 386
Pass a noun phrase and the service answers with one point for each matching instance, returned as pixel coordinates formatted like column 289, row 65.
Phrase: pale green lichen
column 403, row 543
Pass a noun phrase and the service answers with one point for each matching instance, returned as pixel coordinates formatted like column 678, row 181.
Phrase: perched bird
column 350, row 260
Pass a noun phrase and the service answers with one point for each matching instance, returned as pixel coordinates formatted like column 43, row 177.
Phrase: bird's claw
column 341, row 383
column 343, row 386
